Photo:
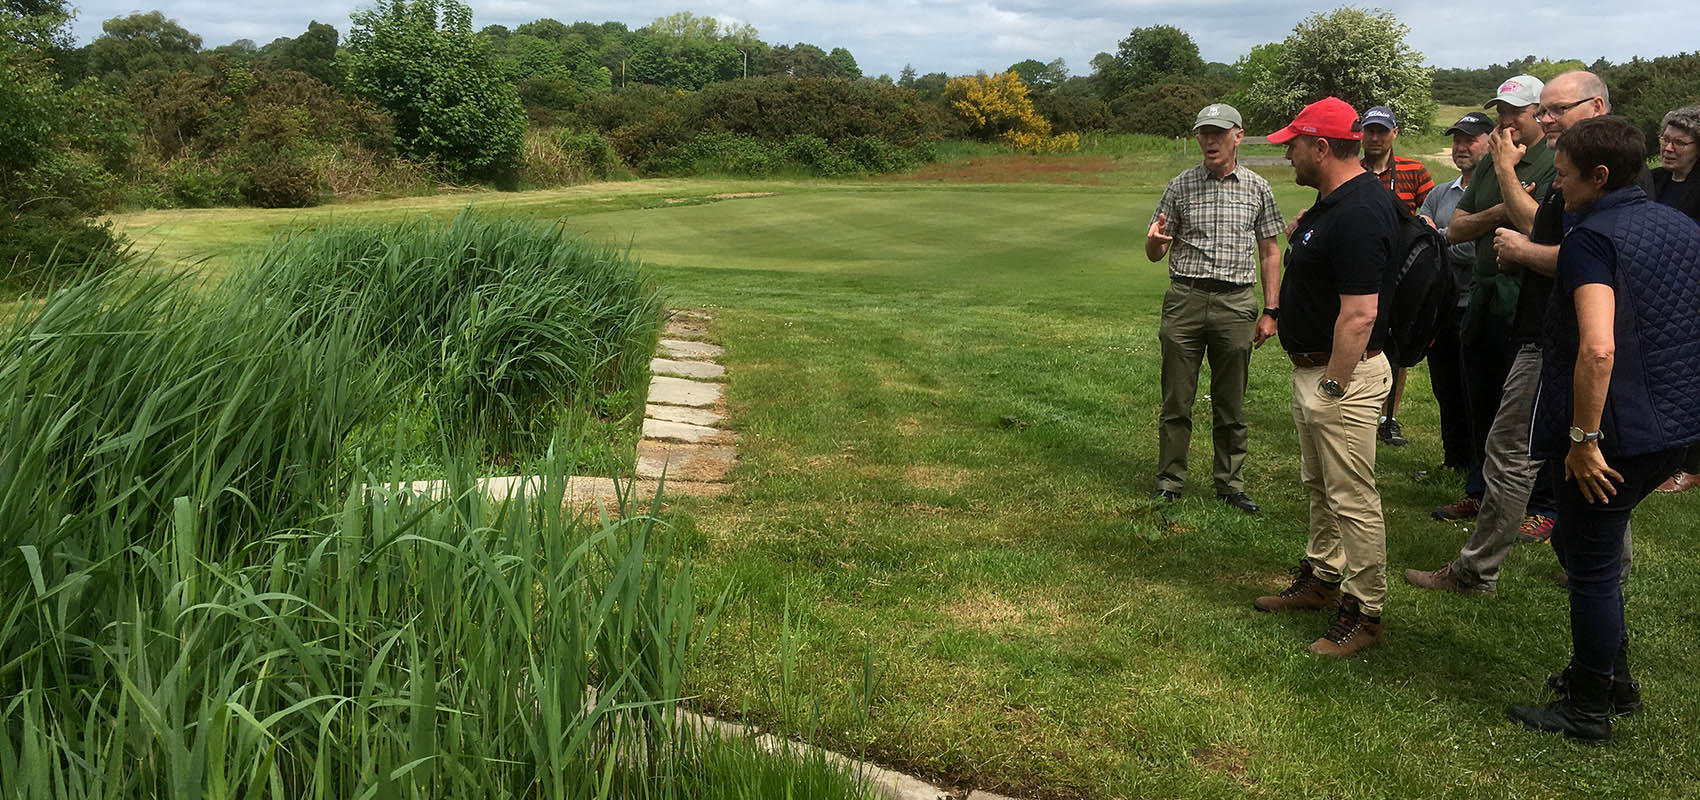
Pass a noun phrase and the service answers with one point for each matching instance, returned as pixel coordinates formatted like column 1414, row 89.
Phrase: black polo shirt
column 1343, row 245
column 1549, row 228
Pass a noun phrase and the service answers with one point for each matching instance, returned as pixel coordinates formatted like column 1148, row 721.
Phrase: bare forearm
column 1351, row 337
column 1466, row 227
column 1269, row 264
column 1519, row 205
column 1592, row 379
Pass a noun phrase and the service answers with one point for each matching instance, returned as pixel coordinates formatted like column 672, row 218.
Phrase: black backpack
column 1419, row 293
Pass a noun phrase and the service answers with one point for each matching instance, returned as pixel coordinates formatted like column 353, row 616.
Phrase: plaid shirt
column 1216, row 223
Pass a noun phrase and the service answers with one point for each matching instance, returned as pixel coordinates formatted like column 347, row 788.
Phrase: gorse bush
column 738, row 154
column 499, row 319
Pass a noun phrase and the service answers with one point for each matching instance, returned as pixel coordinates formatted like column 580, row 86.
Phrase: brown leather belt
column 1209, row 284
column 1314, row 360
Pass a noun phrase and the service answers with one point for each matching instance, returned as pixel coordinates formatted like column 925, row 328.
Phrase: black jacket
column 1661, row 179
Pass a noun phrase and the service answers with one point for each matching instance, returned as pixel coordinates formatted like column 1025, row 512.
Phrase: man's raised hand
column 1159, row 233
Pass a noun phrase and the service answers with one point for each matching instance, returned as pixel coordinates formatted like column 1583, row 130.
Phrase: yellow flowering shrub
column 999, row 107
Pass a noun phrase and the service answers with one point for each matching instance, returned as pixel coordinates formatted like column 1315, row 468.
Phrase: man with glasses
column 1217, row 223
column 1486, row 323
column 1511, row 475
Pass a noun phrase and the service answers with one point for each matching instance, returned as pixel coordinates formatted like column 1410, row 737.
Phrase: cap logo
column 1510, row 86
column 1308, row 128
column 1213, row 111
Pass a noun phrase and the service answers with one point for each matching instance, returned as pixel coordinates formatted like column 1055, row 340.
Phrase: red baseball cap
column 1329, row 118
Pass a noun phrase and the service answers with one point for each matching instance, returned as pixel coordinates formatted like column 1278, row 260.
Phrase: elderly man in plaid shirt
column 1217, row 223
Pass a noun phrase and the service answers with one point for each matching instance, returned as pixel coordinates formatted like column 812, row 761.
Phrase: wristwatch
column 1332, row 388
column 1580, row 436
column 1273, row 313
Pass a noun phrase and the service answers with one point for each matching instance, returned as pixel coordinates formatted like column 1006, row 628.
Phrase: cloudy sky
column 963, row 36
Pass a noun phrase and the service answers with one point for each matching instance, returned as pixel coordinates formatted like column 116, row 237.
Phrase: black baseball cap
column 1474, row 123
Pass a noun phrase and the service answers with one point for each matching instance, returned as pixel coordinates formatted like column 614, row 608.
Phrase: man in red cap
column 1330, row 328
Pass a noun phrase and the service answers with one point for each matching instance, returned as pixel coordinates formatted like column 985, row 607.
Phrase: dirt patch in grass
column 739, row 195
column 933, row 476
column 992, row 613
column 1228, row 759
column 1086, row 170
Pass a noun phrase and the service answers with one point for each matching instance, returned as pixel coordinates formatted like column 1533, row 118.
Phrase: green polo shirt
column 1495, row 292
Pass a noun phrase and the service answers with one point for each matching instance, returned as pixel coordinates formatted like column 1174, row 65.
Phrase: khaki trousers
column 1199, row 324
column 1348, row 535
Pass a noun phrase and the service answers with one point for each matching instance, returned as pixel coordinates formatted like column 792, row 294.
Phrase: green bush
column 814, row 155
column 283, row 180
column 561, row 157
column 193, row 183
column 1166, row 110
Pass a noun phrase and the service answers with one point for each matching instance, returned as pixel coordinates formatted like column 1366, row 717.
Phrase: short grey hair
column 1685, row 119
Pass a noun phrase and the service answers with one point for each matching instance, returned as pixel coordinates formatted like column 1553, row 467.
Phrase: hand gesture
column 1505, row 149
column 1429, row 220
column 1509, row 248
column 1159, row 233
column 1585, row 465
column 1293, row 225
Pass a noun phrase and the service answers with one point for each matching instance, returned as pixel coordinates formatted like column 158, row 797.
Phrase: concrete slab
column 686, row 414
column 701, row 370
column 681, row 392
column 682, row 348
column 685, row 462
column 685, row 432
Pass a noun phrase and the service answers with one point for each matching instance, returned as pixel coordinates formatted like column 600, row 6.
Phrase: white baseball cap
column 1519, row 91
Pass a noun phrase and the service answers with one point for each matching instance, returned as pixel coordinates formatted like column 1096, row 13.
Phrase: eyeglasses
column 1679, row 144
column 1561, row 109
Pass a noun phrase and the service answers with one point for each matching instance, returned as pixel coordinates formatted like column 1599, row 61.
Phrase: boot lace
column 1303, row 580
column 1346, row 622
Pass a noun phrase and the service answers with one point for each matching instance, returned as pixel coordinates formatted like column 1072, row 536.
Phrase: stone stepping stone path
column 682, row 437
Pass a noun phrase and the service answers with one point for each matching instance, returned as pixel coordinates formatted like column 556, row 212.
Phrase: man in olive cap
column 1217, row 223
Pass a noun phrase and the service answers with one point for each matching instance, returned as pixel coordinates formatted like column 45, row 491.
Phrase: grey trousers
column 1510, row 476
column 1199, row 324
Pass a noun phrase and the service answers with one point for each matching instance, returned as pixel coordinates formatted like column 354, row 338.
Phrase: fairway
column 947, row 395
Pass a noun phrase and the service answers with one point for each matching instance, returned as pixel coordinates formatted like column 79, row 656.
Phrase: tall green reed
column 502, row 318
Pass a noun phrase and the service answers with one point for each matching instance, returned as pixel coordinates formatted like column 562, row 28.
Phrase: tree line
column 411, row 96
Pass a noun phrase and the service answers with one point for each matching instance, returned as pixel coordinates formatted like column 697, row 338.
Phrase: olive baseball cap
column 1218, row 115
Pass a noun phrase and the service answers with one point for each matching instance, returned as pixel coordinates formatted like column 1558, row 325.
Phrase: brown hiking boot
column 1350, row 631
column 1307, row 593
column 1444, row 579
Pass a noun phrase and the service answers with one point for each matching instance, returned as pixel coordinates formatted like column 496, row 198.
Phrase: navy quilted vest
column 1653, row 404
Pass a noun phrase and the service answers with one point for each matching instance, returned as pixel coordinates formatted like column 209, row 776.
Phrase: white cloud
column 964, row 36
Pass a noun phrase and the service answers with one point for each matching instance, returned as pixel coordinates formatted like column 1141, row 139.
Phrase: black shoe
column 1390, row 432
column 1584, row 714
column 1625, row 690
column 1240, row 501
column 1165, row 496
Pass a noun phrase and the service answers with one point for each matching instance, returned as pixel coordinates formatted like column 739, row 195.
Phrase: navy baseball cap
column 1380, row 115
column 1474, row 123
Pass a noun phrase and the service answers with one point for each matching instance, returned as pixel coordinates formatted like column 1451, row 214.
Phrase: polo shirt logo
column 1306, row 239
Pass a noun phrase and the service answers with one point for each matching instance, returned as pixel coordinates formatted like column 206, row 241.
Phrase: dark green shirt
column 1495, row 292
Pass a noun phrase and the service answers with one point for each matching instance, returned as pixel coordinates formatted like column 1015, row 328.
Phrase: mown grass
column 947, row 395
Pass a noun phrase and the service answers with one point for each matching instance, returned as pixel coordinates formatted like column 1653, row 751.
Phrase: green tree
column 844, row 63
column 1356, row 55
column 1040, row 76
column 906, row 78
column 312, row 53
column 1149, row 55
column 421, row 62
column 145, row 46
